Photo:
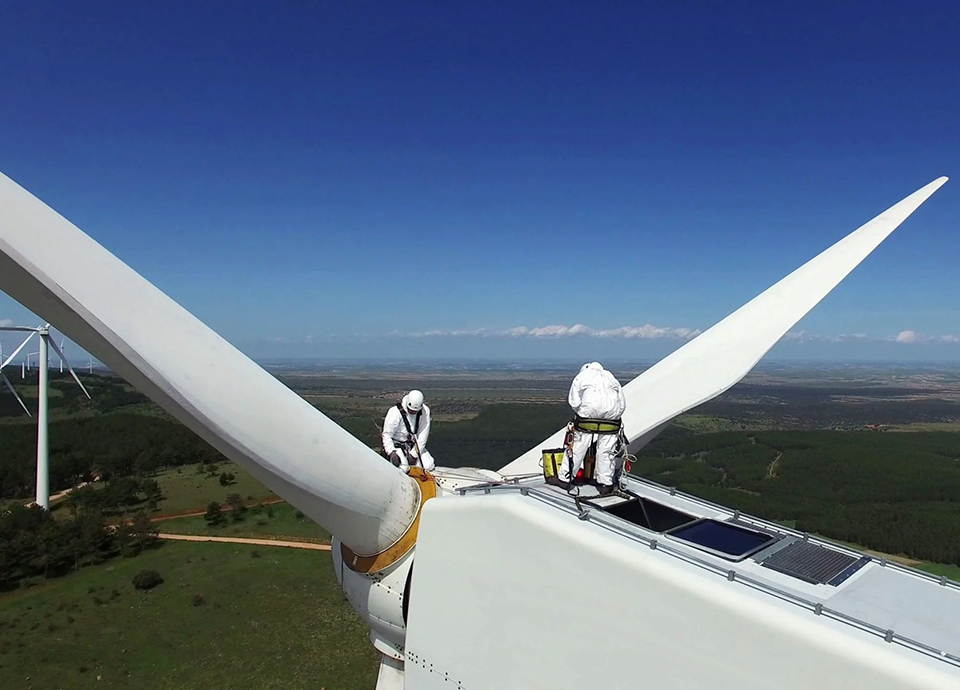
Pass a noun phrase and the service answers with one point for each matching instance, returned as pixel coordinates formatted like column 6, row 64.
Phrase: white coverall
column 594, row 394
column 395, row 434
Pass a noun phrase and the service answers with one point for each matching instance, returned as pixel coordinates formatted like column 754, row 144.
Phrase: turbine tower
column 475, row 612
column 43, row 453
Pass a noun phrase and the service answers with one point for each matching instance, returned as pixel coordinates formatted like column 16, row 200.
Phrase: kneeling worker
column 598, row 403
column 405, row 431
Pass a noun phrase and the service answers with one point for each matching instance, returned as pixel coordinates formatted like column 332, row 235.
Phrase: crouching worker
column 405, row 431
column 598, row 403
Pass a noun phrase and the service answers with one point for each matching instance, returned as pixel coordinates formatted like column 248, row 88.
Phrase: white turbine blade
column 69, row 368
column 15, row 394
column 54, row 269
column 718, row 358
column 17, row 351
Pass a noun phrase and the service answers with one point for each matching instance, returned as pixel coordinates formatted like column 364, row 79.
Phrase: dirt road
column 242, row 540
column 223, row 506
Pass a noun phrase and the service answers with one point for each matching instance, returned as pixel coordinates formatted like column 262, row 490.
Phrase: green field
column 951, row 571
column 271, row 521
column 929, row 426
column 185, row 490
column 274, row 621
column 705, row 424
column 895, row 493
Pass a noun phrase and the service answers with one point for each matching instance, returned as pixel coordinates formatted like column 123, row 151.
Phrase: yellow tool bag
column 552, row 459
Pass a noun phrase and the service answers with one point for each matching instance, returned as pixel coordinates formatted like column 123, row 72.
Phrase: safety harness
column 596, row 426
column 406, row 423
column 411, row 441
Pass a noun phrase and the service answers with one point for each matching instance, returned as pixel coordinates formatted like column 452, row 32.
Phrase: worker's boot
column 556, row 481
column 605, row 489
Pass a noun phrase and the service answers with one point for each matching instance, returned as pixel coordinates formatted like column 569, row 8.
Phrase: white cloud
column 558, row 331
column 804, row 337
column 906, row 337
column 850, row 338
column 648, row 331
column 5, row 322
column 561, row 331
column 645, row 332
column 438, row 333
column 911, row 337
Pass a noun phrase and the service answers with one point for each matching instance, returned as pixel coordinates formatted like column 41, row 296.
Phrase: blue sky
column 425, row 178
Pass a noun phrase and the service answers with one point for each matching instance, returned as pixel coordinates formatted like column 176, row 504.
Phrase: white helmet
column 413, row 401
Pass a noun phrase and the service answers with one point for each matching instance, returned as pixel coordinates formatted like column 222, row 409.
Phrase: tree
column 121, row 491
column 85, row 498
column 213, row 516
column 33, row 542
column 153, row 492
column 224, row 479
column 237, row 507
column 147, row 579
column 137, row 535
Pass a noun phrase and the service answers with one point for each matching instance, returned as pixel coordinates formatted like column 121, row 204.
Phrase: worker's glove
column 395, row 458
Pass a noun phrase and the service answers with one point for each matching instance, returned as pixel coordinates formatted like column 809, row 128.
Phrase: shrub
column 214, row 515
column 130, row 549
column 237, row 508
column 198, row 600
column 146, row 579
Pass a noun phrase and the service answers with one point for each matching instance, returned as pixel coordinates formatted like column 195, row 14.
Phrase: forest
column 112, row 445
column 894, row 492
column 35, row 544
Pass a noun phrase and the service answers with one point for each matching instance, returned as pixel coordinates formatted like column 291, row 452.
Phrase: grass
column 185, row 490
column 951, row 571
column 706, row 424
column 222, row 618
column 926, row 426
column 279, row 520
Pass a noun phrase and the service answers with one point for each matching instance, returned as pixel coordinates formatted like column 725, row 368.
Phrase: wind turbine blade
column 17, row 351
column 15, row 394
column 63, row 359
column 717, row 359
column 54, row 269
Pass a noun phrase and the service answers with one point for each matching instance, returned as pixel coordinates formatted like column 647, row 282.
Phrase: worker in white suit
column 406, row 429
column 598, row 404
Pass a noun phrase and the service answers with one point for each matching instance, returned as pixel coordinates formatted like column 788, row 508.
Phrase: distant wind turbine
column 43, row 456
